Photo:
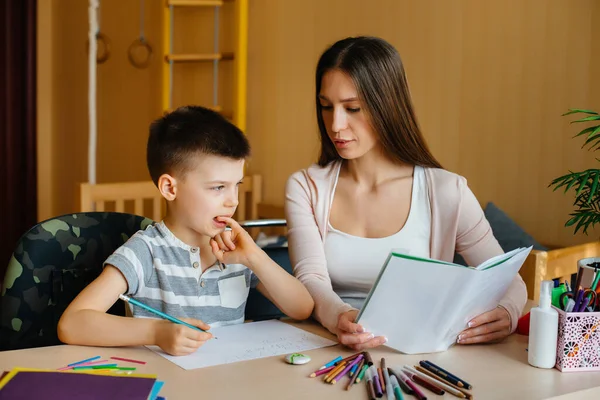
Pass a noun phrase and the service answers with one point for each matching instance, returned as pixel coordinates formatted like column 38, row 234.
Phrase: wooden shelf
column 195, row 3
column 236, row 21
column 199, row 57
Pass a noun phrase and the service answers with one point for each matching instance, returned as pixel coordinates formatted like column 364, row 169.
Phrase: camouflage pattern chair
column 52, row 263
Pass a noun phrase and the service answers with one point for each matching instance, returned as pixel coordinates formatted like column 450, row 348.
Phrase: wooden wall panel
column 489, row 80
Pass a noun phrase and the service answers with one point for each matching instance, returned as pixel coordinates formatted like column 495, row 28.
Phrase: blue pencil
column 155, row 311
column 331, row 363
column 83, row 361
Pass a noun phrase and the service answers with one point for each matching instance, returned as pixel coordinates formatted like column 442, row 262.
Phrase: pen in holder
column 578, row 341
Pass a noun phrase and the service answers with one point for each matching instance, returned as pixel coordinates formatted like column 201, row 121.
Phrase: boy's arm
column 85, row 321
column 284, row 290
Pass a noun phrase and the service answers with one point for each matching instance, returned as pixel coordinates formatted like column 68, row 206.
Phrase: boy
column 185, row 265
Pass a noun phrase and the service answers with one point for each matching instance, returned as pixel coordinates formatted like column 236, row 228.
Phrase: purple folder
column 63, row 386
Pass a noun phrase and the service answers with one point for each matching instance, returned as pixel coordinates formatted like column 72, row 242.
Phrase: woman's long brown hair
column 376, row 69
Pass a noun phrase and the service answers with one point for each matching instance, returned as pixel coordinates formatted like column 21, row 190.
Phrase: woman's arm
column 307, row 253
column 476, row 243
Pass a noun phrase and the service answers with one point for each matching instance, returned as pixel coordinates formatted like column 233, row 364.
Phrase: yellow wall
column 490, row 80
column 128, row 99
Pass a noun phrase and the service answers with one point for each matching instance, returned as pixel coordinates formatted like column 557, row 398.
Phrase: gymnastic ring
column 105, row 55
column 140, row 42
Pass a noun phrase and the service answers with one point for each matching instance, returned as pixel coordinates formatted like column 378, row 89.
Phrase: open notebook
column 421, row 304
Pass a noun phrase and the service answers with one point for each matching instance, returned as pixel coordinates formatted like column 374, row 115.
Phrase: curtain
column 18, row 187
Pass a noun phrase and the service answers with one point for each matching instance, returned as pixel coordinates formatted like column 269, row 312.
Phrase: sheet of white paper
column 422, row 306
column 496, row 259
column 247, row 342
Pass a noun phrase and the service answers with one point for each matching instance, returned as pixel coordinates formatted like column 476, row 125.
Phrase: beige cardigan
column 457, row 224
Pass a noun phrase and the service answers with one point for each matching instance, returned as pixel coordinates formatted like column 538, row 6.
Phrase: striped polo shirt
column 166, row 274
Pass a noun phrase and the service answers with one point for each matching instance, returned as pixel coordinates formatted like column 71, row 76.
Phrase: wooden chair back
column 120, row 196
column 144, row 199
column 554, row 264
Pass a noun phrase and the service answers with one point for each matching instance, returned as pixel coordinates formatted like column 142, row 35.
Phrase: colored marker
column 416, row 391
column 396, row 386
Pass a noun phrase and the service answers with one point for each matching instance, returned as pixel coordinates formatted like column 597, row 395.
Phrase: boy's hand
column 235, row 246
column 179, row 340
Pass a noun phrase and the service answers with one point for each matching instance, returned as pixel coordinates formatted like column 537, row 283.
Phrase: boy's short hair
column 187, row 132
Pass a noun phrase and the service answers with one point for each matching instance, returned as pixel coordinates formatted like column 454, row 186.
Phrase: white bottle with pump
column 543, row 330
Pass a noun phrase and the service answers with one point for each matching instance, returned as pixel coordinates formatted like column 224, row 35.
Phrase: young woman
column 377, row 186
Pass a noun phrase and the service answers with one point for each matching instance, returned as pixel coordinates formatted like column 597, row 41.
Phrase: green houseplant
column 585, row 183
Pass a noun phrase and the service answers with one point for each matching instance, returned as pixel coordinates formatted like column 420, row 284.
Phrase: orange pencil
column 345, row 371
column 334, row 372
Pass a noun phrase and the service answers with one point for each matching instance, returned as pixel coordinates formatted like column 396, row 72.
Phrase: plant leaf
column 581, row 200
column 572, row 220
column 579, row 110
column 562, row 178
column 590, row 221
column 561, row 181
column 583, row 183
column 581, row 222
column 594, row 187
column 586, row 130
column 570, row 185
column 591, row 138
column 596, row 130
column 586, row 204
column 586, row 119
column 594, row 146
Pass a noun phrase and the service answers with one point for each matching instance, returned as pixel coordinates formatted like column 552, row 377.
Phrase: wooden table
column 497, row 371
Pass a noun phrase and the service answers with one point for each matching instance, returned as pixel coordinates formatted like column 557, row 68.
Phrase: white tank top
column 354, row 262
